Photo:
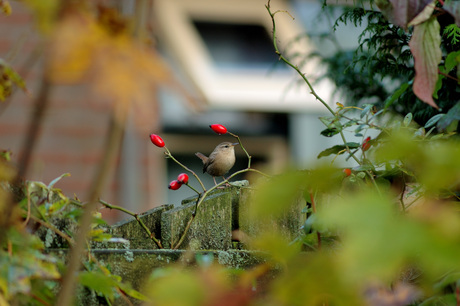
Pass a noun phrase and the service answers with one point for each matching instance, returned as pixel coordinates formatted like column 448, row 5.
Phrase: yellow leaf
column 118, row 67
column 6, row 7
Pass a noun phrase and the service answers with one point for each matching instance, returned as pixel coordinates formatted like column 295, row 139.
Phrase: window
column 238, row 47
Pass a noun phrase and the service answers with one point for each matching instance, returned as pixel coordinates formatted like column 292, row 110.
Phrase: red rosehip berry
column 182, row 178
column 156, row 140
column 366, row 145
column 174, row 185
column 347, row 171
column 218, row 128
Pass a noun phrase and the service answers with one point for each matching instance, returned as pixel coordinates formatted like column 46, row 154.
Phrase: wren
column 220, row 161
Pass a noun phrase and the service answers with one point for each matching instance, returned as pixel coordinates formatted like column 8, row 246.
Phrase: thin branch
column 28, row 207
column 41, row 104
column 242, row 147
column 313, row 206
column 69, row 239
column 169, row 155
column 136, row 216
column 285, row 60
column 448, row 76
column 66, row 294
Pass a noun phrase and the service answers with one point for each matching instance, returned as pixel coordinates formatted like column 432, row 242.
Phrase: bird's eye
column 226, row 146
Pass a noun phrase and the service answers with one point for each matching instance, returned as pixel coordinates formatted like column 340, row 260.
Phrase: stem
column 241, row 145
column 285, row 60
column 28, row 207
column 69, row 239
column 66, row 294
column 193, row 188
column 313, row 206
column 169, row 155
column 448, row 76
column 136, row 216
column 41, row 104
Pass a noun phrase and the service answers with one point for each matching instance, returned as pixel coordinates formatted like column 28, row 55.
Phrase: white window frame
column 253, row 91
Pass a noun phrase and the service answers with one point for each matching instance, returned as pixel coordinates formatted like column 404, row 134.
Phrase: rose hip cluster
column 181, row 179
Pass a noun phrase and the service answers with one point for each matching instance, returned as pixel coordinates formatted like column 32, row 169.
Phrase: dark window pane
column 238, row 46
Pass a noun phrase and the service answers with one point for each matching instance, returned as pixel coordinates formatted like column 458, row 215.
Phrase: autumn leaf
column 120, row 69
column 424, row 15
column 425, row 46
column 5, row 7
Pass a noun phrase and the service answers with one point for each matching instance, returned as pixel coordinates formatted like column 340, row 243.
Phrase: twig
column 51, row 227
column 241, row 145
column 28, row 207
column 313, row 206
column 285, row 60
column 113, row 142
column 41, row 104
column 448, row 76
column 169, row 155
column 136, row 216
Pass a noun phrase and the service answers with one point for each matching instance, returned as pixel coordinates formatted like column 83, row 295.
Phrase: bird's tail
column 201, row 156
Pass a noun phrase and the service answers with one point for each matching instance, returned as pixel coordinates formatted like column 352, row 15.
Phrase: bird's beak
column 236, row 143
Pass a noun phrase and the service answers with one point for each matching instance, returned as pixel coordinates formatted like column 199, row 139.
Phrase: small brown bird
column 220, row 161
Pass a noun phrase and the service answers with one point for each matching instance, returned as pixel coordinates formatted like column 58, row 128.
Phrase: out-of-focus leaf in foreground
column 101, row 50
column 379, row 241
column 435, row 163
column 273, row 196
column 313, row 279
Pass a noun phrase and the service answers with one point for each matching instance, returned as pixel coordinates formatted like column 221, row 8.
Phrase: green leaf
column 338, row 149
column 438, row 86
column 433, row 120
column 452, row 31
column 452, row 60
column 309, row 223
column 452, row 115
column 395, row 96
column 407, row 119
column 330, row 132
column 425, row 46
column 327, row 121
column 132, row 292
column 446, row 280
column 57, row 180
column 99, row 282
column 365, row 111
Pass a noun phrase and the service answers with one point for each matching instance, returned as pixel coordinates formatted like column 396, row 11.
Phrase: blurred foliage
column 8, row 79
